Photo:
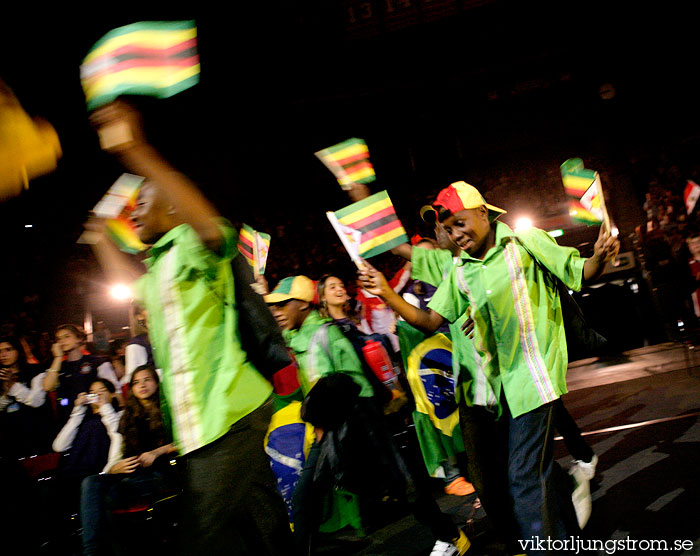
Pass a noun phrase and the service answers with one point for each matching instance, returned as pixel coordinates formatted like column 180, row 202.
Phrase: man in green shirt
column 321, row 351
column 320, row 347
column 519, row 335
column 217, row 402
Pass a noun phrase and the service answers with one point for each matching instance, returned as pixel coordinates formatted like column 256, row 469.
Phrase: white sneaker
column 443, row 548
column 581, row 496
column 587, row 469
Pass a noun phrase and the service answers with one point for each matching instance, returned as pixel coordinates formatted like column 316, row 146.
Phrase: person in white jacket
column 25, row 422
column 84, row 440
column 139, row 467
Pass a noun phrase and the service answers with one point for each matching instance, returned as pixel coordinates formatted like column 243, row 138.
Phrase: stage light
column 522, row 224
column 120, row 292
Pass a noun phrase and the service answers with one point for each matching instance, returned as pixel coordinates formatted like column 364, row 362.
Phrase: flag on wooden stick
column 254, row 246
column 349, row 162
column 585, row 193
column 156, row 58
column 375, row 219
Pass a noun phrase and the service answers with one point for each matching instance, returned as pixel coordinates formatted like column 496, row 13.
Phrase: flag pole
column 606, row 216
column 338, row 230
column 256, row 247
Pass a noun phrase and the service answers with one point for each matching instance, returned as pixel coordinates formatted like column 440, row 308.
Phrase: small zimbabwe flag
column 116, row 207
column 121, row 231
column 584, row 191
column 156, row 58
column 349, row 162
column 376, row 219
column 254, row 246
column 582, row 215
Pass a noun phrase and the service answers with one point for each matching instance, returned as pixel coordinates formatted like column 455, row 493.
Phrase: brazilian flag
column 287, row 443
column 428, row 364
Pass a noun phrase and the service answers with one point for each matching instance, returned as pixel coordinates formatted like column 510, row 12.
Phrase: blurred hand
column 128, row 465
column 606, row 246
column 119, row 127
column 80, row 400
column 101, row 400
column 373, row 281
column 442, row 237
column 56, row 350
column 95, row 224
column 7, row 375
column 260, row 286
column 358, row 191
column 146, row 459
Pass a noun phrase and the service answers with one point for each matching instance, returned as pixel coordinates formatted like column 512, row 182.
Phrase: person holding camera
column 138, row 469
column 84, row 440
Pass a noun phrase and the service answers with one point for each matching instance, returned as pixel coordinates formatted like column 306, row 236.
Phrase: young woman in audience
column 138, row 468
column 335, row 303
column 25, row 423
column 84, row 441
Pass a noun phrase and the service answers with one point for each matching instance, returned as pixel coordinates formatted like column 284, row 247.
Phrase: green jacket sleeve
column 564, row 262
column 449, row 301
column 430, row 265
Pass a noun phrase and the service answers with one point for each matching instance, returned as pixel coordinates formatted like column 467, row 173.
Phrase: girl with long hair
column 335, row 303
column 138, row 468
column 24, row 423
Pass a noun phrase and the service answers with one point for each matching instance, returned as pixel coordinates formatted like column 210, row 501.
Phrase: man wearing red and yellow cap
column 518, row 337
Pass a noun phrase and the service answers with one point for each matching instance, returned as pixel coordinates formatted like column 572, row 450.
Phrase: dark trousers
column 231, row 503
column 567, row 427
column 539, row 488
column 100, row 494
column 306, row 503
column 487, row 465
column 422, row 502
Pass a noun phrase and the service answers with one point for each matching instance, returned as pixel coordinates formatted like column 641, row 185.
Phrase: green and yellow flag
column 116, row 207
column 254, row 246
column 376, row 219
column 156, row 58
column 428, row 364
column 583, row 188
column 287, row 443
column 349, row 162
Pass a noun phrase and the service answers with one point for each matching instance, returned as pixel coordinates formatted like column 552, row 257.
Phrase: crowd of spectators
column 31, row 421
column 662, row 242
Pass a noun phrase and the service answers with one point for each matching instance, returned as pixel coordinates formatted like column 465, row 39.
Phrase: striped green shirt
column 433, row 266
column 518, row 327
column 208, row 383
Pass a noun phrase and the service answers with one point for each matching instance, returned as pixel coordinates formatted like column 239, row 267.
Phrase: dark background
column 496, row 93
